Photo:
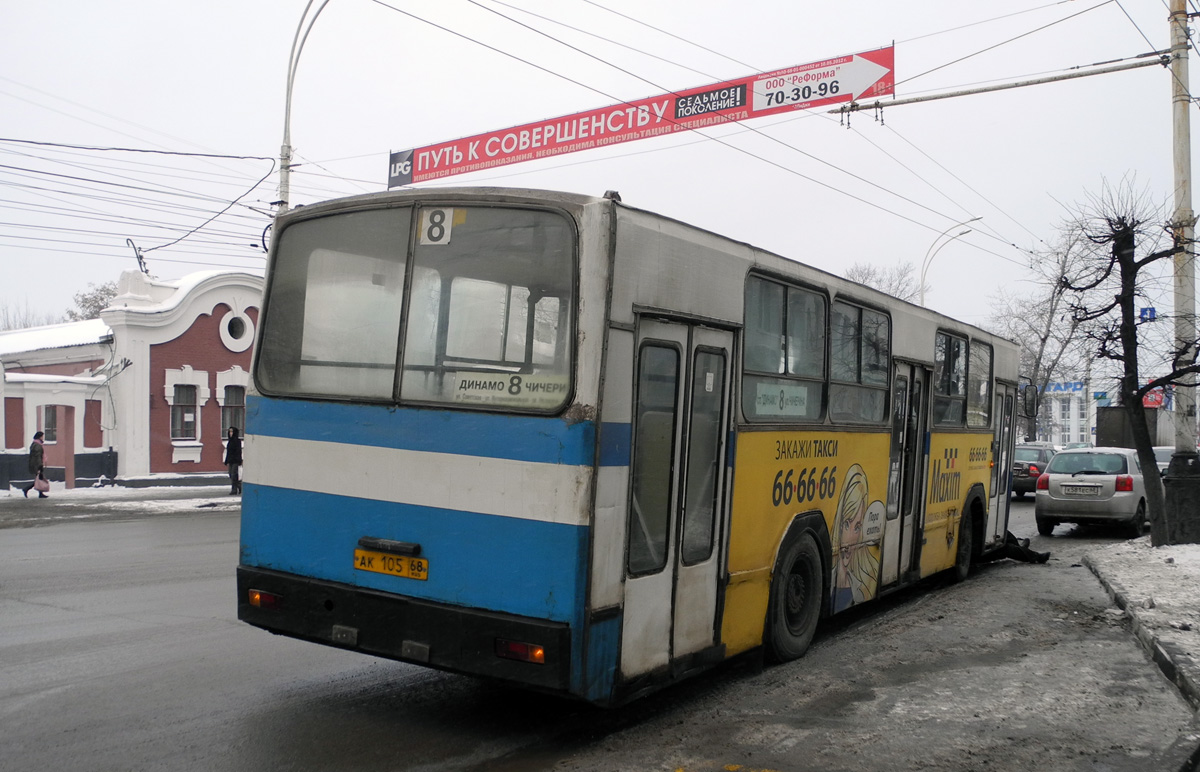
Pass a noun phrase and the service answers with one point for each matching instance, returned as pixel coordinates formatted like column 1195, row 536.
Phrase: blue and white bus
column 562, row 442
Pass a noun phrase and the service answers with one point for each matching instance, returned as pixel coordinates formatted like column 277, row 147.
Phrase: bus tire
column 966, row 546
column 794, row 607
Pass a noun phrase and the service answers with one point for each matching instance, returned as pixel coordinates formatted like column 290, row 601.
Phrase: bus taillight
column 524, row 652
column 261, row 599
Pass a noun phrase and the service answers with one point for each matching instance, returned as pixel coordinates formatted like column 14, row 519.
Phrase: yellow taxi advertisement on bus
column 785, row 474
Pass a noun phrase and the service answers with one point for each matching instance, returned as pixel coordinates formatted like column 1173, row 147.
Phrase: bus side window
column 859, row 350
column 784, row 360
column 979, row 385
column 653, row 454
column 949, row 379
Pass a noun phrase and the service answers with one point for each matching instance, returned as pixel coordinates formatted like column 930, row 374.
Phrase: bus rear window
column 487, row 323
column 490, row 320
column 331, row 322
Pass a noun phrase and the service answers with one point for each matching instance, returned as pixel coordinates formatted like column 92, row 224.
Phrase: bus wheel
column 795, row 604
column 962, row 558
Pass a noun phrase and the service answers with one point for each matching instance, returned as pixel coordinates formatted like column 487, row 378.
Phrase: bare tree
column 20, row 316
column 899, row 281
column 1039, row 318
column 1103, row 293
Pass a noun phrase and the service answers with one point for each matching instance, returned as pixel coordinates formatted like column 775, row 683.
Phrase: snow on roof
column 144, row 294
column 86, row 380
column 87, row 332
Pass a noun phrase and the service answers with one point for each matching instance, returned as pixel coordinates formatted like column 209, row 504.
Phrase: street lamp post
column 285, row 150
column 934, row 248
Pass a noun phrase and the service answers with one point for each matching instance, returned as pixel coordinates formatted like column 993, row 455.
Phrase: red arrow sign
column 843, row 79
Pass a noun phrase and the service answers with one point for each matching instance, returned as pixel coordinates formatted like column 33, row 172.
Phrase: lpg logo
column 400, row 169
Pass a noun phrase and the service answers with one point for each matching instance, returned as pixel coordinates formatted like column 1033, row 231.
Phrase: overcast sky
column 378, row 76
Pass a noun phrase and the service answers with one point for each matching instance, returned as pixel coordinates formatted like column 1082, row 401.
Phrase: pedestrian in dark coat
column 37, row 463
column 233, row 460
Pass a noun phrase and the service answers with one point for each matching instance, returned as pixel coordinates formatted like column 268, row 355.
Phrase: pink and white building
column 145, row 391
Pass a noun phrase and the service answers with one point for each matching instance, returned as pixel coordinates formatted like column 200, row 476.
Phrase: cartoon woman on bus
column 856, row 529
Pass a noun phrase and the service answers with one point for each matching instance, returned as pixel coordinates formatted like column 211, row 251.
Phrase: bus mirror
column 1029, row 398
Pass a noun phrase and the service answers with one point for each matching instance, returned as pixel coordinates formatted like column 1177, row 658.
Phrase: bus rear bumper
column 452, row 638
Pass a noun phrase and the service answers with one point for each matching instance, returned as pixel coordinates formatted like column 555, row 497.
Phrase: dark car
column 1029, row 462
column 1162, row 455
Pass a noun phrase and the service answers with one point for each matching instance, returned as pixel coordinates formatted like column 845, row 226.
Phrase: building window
column 1064, row 409
column 233, row 410
column 50, row 423
column 1083, row 409
column 237, row 331
column 183, row 413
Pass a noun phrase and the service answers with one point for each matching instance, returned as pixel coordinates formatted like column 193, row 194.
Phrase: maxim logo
column 945, row 483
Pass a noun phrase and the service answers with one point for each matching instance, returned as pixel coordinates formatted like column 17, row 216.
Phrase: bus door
column 677, row 512
column 906, row 478
column 1001, row 480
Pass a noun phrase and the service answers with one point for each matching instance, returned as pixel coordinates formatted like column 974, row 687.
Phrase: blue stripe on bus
column 519, row 438
column 505, row 564
column 616, row 439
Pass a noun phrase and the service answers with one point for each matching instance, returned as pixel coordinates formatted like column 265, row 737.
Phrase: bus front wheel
column 795, row 603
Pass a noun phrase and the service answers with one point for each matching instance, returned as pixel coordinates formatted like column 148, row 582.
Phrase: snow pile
column 111, row 501
column 96, row 494
column 1159, row 588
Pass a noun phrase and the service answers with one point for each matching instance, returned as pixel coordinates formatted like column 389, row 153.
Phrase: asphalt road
column 120, row 650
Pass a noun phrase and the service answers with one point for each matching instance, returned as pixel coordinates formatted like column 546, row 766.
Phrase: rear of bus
column 418, row 461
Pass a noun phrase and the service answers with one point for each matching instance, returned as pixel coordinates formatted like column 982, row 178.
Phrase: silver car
column 1092, row 485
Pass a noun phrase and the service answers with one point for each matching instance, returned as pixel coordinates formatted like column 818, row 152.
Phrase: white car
column 1092, row 485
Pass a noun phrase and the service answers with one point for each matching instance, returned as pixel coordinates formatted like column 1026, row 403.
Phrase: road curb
column 1184, row 754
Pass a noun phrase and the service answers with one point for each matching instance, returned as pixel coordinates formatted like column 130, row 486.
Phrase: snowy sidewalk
column 111, row 503
column 1159, row 590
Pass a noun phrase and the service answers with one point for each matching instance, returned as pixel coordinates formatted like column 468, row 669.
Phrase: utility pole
column 285, row 150
column 1182, row 481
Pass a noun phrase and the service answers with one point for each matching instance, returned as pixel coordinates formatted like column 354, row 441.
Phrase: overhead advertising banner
column 844, row 79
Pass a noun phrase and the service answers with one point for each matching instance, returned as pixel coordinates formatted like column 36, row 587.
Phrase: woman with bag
column 37, row 463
